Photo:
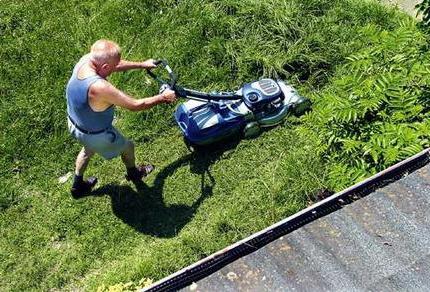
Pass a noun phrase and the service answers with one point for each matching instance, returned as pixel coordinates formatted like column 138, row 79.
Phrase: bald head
column 105, row 52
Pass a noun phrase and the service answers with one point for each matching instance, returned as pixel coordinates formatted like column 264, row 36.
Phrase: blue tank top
column 78, row 108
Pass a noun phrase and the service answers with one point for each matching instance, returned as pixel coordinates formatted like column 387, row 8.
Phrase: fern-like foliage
column 377, row 110
column 424, row 9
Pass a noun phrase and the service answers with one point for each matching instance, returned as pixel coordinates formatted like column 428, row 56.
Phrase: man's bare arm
column 125, row 65
column 103, row 90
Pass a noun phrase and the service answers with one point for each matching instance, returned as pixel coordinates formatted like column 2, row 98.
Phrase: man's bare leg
column 129, row 158
column 81, row 187
column 82, row 161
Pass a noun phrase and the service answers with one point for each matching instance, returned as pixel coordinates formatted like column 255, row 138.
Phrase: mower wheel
column 189, row 145
column 251, row 130
column 192, row 147
column 302, row 106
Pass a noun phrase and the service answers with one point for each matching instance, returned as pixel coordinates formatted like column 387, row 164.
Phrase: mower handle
column 198, row 95
column 172, row 75
column 189, row 93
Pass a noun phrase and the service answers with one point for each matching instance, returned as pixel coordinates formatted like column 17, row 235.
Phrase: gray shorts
column 108, row 144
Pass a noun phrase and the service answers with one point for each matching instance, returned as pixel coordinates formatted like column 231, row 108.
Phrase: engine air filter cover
column 267, row 86
column 261, row 92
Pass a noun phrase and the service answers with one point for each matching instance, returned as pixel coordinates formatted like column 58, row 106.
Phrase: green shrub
column 375, row 112
column 424, row 9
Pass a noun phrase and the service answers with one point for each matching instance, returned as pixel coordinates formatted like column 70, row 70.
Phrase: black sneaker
column 137, row 173
column 84, row 188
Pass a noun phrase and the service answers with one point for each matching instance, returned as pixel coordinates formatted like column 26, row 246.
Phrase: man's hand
column 149, row 64
column 168, row 96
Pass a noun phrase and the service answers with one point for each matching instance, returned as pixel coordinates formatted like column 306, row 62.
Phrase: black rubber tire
column 189, row 145
column 193, row 147
column 251, row 130
column 302, row 106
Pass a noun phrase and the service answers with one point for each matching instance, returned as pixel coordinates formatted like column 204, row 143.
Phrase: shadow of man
column 144, row 208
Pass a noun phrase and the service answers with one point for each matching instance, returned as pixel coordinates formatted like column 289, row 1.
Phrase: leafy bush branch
column 376, row 111
column 424, row 8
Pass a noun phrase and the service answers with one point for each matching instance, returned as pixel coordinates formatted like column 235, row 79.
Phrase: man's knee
column 128, row 148
column 86, row 153
column 130, row 145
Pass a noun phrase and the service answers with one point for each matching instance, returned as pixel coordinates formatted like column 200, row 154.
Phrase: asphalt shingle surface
column 379, row 243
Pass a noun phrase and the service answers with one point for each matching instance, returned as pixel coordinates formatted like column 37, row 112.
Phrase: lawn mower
column 206, row 118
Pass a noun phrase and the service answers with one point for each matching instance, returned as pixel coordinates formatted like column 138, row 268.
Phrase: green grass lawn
column 193, row 204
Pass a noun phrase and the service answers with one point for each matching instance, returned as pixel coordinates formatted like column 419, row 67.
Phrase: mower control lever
column 166, row 66
column 157, row 62
column 171, row 84
column 184, row 92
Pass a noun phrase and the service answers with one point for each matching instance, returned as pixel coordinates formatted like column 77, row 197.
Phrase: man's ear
column 105, row 66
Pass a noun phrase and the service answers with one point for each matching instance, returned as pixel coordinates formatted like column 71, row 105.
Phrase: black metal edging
column 216, row 261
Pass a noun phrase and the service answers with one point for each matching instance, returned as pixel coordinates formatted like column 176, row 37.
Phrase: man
column 91, row 100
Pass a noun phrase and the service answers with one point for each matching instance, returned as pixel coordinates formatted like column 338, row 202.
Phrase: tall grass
column 194, row 204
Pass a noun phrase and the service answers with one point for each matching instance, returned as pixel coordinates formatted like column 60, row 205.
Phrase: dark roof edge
column 216, row 261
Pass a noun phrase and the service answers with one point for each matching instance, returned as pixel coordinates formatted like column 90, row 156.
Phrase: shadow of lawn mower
column 210, row 118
